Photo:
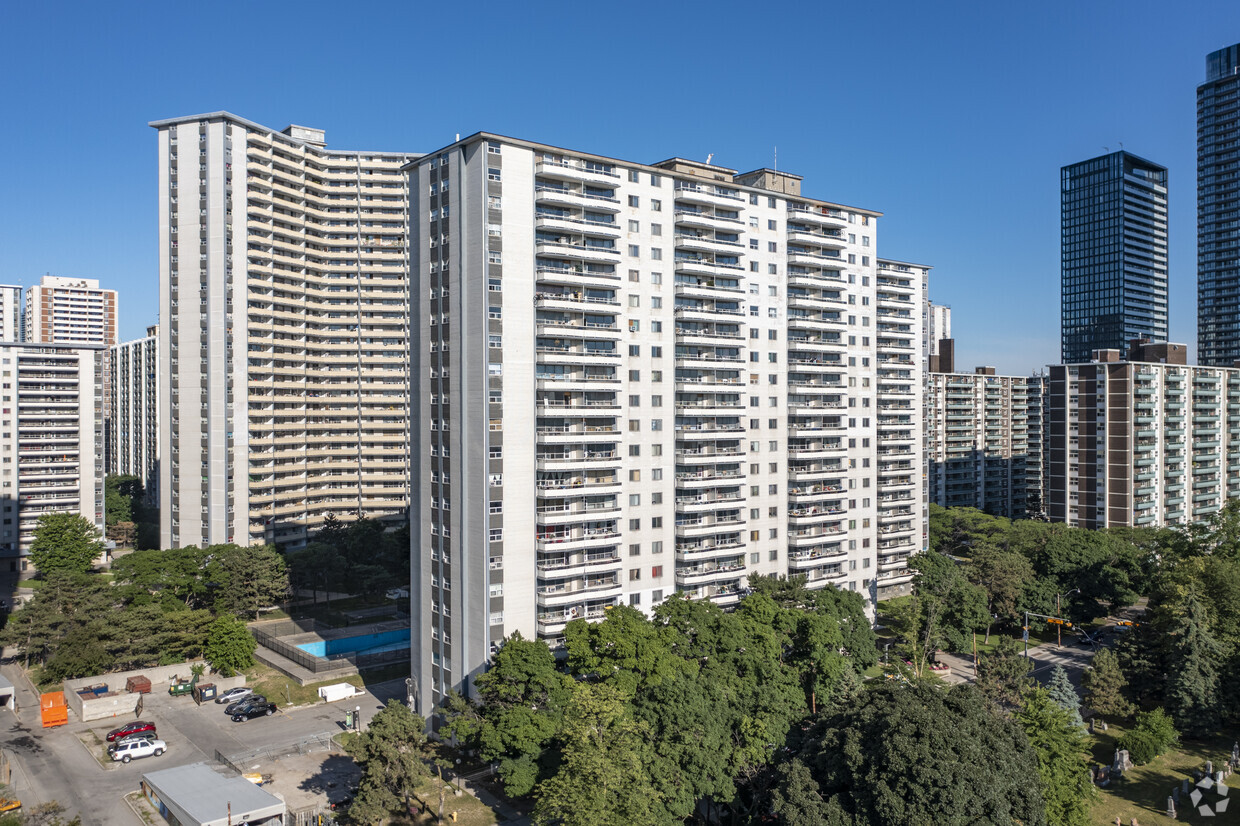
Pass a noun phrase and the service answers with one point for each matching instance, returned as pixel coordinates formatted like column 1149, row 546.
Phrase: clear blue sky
column 951, row 118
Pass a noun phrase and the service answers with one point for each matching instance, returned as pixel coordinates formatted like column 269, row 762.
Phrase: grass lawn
column 282, row 691
column 1144, row 790
column 469, row 810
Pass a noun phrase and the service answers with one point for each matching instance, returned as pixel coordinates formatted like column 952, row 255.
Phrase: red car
column 130, row 729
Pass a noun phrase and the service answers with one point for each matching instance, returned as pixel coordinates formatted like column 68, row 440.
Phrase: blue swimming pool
column 362, row 644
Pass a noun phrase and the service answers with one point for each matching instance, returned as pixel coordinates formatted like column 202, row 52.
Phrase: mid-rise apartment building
column 284, row 324
column 134, row 405
column 643, row 379
column 1218, row 205
column 12, row 325
column 51, row 440
column 71, row 311
column 1113, row 254
column 1150, row 442
column 984, row 442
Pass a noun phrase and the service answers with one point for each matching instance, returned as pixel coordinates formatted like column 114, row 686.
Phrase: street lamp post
column 1059, row 628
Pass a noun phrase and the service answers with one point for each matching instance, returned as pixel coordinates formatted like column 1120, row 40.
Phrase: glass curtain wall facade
column 1218, row 210
column 1113, row 254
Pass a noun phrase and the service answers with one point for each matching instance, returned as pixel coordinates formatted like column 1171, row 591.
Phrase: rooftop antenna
column 1121, row 146
column 708, row 158
column 776, row 167
column 1106, row 149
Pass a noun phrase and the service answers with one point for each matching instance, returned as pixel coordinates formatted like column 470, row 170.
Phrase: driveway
column 54, row 764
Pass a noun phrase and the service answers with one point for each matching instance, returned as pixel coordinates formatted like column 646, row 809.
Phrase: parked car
column 252, row 710
column 130, row 729
column 232, row 695
column 138, row 747
column 397, row 593
column 243, row 702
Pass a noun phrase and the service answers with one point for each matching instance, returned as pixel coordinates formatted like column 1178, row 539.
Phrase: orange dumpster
column 54, row 710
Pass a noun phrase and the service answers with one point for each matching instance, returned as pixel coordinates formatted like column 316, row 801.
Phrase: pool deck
column 351, row 631
column 305, row 676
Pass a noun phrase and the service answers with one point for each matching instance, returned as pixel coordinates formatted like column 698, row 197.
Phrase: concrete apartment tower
column 134, row 405
column 51, row 440
column 643, row 379
column 70, row 311
column 12, row 324
column 1150, row 441
column 1218, row 201
column 284, row 316
column 1113, row 254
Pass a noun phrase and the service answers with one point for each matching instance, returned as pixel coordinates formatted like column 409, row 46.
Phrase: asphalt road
column 54, row 764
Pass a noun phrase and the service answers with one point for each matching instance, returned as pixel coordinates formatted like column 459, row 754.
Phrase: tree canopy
column 65, row 542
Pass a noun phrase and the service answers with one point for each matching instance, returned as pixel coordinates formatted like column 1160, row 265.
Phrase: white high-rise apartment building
column 51, row 440
column 642, row 379
column 70, row 311
column 12, row 325
column 284, row 318
column 134, row 405
column 938, row 326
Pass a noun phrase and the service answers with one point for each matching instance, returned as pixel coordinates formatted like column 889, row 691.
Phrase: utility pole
column 1059, row 628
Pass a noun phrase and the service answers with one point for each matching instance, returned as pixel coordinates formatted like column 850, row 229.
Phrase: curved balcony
column 574, row 197
column 817, row 215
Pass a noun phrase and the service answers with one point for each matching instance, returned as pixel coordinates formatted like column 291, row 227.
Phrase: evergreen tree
column 1059, row 744
column 1065, row 696
column 1193, row 681
column 1104, row 685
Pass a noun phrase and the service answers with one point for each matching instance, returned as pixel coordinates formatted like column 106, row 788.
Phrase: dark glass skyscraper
column 1113, row 254
column 1218, row 210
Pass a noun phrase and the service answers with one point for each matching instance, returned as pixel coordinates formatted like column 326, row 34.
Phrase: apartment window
column 657, row 497
column 655, row 180
column 495, row 342
column 656, row 547
column 656, row 401
column 635, row 276
column 753, row 267
column 635, row 375
column 656, row 450
column 656, row 254
column 635, row 301
column 656, row 424
column 635, row 426
column 656, row 278
column 772, row 269
column 656, row 229
column 635, row 499
column 496, row 507
column 635, row 524
column 634, row 176
column 635, row 475
column 634, row 201
column 656, row 474
column 656, row 522
column 635, row 450
column 753, row 558
column 656, row 326
column 495, row 312
column 656, row 352
column 635, row 600
column 493, row 174
column 753, row 200
column 753, row 536
column 635, row 550
column 770, row 224
column 634, row 401
column 635, row 574
column 634, row 251
column 493, row 148
column 495, row 534
column 656, row 376
column 635, row 226
column 656, row 205
column 772, row 246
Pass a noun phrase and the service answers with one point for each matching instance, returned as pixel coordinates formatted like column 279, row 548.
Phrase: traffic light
column 1127, row 623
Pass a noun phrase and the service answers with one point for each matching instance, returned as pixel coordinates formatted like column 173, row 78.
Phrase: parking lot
column 69, row 764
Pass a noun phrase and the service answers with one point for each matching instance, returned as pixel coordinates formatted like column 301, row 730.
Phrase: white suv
column 139, row 747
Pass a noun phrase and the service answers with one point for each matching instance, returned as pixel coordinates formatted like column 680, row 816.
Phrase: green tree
column 1193, row 680
column 392, row 754
column 65, row 542
column 1060, row 746
column 247, row 580
column 1003, row 575
column 912, row 754
column 173, row 578
column 119, row 494
column 1061, row 691
column 523, row 696
column 230, row 645
column 603, row 777
column 1104, row 685
column 1003, row 674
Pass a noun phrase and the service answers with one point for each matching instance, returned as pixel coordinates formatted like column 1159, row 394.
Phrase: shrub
column 1141, row 746
column 1158, row 726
